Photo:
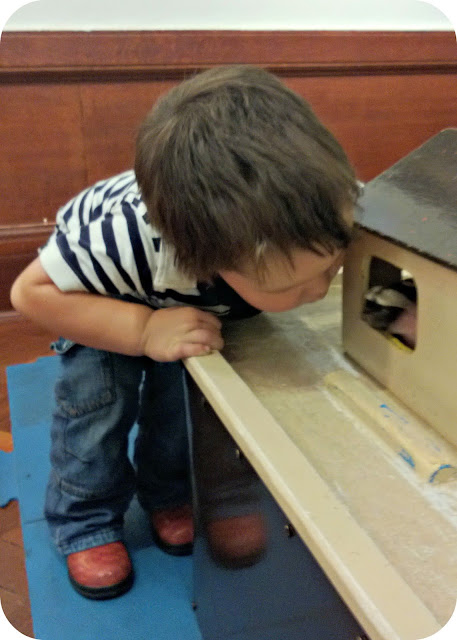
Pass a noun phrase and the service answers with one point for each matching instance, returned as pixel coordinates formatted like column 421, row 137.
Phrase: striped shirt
column 104, row 244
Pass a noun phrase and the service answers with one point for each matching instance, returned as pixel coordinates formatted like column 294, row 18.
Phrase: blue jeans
column 99, row 397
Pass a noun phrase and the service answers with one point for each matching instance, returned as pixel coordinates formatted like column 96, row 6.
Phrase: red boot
column 173, row 530
column 101, row 572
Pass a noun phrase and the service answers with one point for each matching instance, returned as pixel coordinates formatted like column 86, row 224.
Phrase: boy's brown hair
column 231, row 163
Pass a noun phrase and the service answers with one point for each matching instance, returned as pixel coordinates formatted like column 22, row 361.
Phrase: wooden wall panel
column 172, row 52
column 380, row 118
column 112, row 113
column 70, row 104
column 17, row 248
column 42, row 158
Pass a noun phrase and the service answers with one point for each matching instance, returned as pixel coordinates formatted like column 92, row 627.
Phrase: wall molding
column 170, row 54
column 29, row 231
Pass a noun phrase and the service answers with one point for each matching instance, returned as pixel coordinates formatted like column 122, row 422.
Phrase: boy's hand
column 180, row 332
column 104, row 323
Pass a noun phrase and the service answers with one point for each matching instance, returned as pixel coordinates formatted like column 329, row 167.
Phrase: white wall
column 226, row 14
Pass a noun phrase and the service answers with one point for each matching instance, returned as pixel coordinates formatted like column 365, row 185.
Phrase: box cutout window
column 390, row 303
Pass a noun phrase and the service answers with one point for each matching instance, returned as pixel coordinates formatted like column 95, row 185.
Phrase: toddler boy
column 241, row 201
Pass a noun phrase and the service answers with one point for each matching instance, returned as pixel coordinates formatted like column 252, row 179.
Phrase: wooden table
column 385, row 537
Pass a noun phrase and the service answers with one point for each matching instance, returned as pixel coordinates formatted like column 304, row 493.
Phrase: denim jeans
column 99, row 397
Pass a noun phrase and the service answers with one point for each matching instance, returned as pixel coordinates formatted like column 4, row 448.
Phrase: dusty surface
column 284, row 358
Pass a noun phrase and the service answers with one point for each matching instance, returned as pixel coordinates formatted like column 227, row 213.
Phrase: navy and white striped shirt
column 103, row 244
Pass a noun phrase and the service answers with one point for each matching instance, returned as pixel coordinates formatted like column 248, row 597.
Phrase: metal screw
column 239, row 454
column 289, row 529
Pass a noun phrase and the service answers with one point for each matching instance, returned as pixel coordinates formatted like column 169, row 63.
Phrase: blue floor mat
column 8, row 483
column 158, row 607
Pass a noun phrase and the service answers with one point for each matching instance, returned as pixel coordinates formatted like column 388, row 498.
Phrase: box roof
column 414, row 203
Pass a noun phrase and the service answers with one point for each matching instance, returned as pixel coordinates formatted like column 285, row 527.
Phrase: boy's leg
column 92, row 481
column 162, row 457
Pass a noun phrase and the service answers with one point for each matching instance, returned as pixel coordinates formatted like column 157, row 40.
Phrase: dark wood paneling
column 70, row 104
column 18, row 247
column 168, row 50
column 113, row 112
column 42, row 160
column 380, row 119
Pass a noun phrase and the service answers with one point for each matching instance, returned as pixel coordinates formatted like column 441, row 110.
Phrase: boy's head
column 240, row 177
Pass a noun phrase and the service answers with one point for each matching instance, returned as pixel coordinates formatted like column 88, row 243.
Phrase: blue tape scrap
column 159, row 604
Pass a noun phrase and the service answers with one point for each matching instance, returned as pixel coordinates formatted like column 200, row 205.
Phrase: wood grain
column 42, row 160
column 18, row 247
column 112, row 113
column 171, row 51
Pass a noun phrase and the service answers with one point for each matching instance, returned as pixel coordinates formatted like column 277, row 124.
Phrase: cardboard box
column 408, row 222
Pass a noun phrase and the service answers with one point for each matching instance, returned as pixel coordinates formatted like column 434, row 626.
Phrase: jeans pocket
column 86, row 383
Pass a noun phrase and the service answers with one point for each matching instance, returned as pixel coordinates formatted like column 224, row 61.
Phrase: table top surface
column 386, row 538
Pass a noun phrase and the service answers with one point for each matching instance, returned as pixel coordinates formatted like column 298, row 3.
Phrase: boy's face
column 285, row 286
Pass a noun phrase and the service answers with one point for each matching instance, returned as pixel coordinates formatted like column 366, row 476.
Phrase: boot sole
column 103, row 593
column 172, row 549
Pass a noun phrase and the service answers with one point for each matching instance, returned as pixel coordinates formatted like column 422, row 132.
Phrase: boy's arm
column 114, row 325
